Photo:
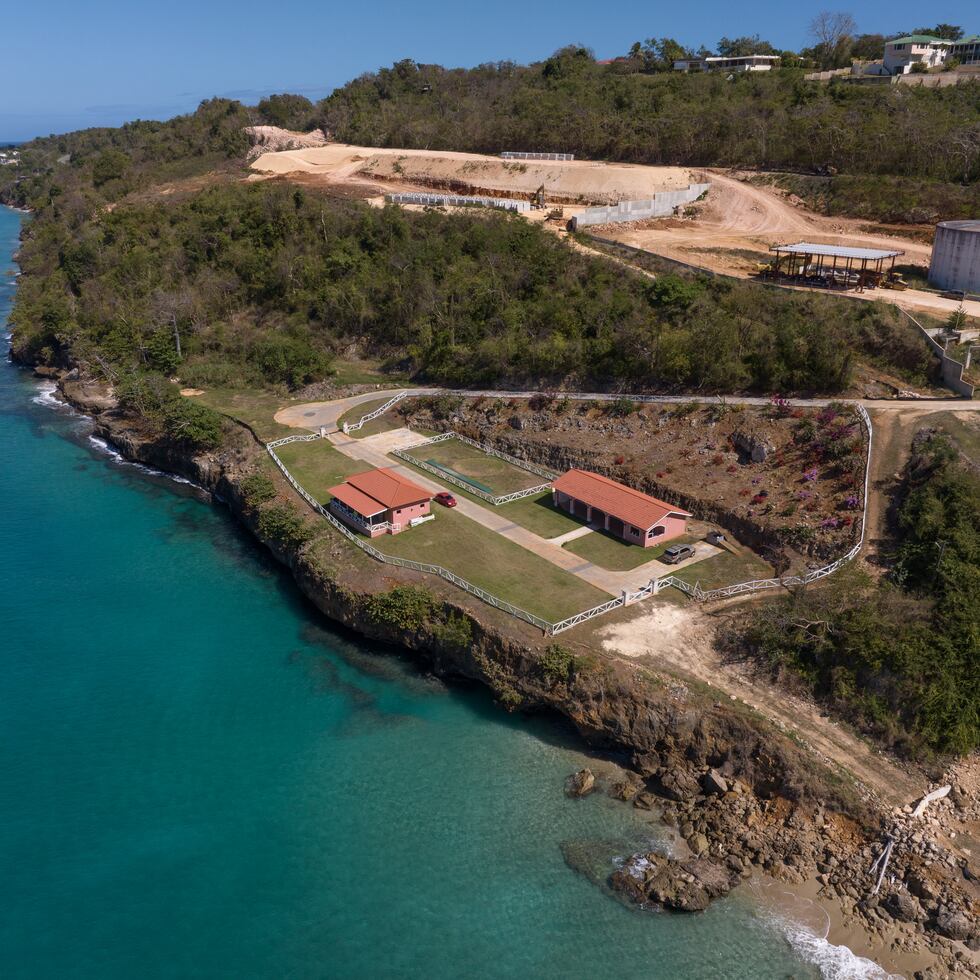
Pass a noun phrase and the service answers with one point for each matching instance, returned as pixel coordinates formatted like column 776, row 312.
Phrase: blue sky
column 67, row 65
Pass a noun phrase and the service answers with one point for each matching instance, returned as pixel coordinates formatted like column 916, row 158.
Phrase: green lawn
column 255, row 407
column 494, row 563
column 538, row 514
column 610, row 552
column 495, row 473
column 317, row 466
column 383, row 423
column 726, row 569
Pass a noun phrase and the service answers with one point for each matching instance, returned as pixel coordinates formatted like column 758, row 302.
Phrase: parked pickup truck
column 677, row 553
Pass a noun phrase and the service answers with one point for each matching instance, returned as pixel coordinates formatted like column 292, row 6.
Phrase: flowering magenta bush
column 811, row 474
column 829, row 523
column 780, row 404
column 803, row 494
column 852, row 502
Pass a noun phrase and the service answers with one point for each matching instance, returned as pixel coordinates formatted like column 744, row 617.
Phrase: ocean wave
column 805, row 925
column 833, row 962
column 117, row 457
column 47, row 396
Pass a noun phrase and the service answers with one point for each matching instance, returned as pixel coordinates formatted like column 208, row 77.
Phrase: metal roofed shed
column 634, row 516
column 380, row 501
column 832, row 266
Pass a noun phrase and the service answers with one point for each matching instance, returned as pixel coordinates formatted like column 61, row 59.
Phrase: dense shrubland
column 259, row 285
column 570, row 103
column 76, row 172
column 909, row 200
column 901, row 659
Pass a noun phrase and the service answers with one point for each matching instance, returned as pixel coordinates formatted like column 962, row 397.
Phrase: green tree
column 739, row 47
column 109, row 165
column 294, row 112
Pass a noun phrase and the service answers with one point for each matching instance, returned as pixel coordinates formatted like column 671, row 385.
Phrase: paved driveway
column 372, row 451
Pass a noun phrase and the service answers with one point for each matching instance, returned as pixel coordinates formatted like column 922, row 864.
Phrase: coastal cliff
column 742, row 795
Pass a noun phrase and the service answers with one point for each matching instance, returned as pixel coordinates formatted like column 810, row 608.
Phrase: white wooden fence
column 495, row 499
column 626, row 598
column 354, row 426
column 369, row 549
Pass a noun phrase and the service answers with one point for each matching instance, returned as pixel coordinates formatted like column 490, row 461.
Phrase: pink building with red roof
column 631, row 515
column 380, row 501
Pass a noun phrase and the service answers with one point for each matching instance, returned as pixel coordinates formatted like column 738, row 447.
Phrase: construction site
column 710, row 220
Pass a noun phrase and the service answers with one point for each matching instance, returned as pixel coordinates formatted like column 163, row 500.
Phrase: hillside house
column 749, row 62
column 901, row 53
column 635, row 517
column 380, row 501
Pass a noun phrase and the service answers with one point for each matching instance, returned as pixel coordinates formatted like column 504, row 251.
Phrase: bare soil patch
column 384, row 170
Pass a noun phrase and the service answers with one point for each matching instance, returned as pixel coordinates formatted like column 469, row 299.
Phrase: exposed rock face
column 683, row 886
column 754, row 446
column 679, row 784
column 904, row 907
column 580, row 783
column 780, row 814
column 628, row 788
column 714, row 782
column 955, row 925
column 273, row 139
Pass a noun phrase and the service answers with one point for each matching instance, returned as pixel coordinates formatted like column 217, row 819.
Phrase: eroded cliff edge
column 741, row 793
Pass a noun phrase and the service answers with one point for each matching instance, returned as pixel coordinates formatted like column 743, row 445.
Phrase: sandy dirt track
column 739, row 215
column 587, row 181
column 740, row 218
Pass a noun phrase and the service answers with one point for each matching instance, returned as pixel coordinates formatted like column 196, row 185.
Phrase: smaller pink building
column 379, row 501
column 631, row 515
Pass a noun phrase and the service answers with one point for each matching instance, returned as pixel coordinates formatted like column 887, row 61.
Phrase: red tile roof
column 629, row 505
column 388, row 488
column 359, row 502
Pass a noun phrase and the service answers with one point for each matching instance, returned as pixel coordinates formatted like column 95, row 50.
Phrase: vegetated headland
column 151, row 265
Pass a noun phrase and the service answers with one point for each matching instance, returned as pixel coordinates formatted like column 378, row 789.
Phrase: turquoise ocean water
column 200, row 778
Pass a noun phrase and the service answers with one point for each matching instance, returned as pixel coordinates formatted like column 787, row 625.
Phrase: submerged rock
column 682, row 886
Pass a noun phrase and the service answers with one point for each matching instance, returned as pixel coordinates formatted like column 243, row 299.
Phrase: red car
column 446, row 499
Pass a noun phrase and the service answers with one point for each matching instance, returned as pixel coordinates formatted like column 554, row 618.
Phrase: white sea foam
column 833, row 962
column 47, row 396
column 805, row 924
column 117, row 457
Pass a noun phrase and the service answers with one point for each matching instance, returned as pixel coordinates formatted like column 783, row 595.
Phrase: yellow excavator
column 894, row 280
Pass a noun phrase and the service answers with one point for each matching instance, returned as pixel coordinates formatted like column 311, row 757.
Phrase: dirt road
column 679, row 639
column 740, row 221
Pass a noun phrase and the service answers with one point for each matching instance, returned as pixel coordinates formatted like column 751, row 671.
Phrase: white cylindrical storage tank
column 956, row 256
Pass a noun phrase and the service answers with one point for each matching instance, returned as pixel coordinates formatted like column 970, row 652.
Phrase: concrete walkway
column 370, row 451
column 579, row 532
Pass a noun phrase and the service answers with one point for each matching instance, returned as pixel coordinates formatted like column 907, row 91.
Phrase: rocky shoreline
column 743, row 797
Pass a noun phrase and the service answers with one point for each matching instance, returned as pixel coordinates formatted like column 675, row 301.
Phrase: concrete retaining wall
column 455, row 200
column 952, row 370
column 518, row 155
column 661, row 205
